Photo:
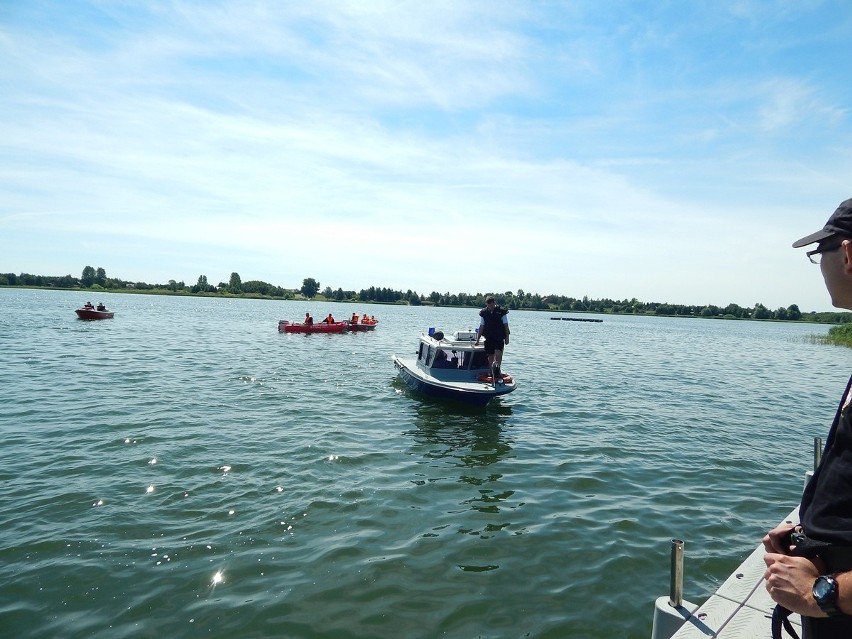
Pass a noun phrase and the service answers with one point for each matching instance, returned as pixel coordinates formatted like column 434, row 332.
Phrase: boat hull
column 92, row 314
column 321, row 327
column 472, row 392
column 360, row 326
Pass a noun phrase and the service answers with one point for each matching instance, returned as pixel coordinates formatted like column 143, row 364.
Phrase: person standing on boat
column 494, row 327
column 809, row 566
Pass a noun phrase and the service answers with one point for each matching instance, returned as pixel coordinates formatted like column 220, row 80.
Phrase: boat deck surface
column 741, row 608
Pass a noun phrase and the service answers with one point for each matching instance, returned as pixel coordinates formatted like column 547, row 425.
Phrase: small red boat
column 89, row 312
column 362, row 325
column 320, row 327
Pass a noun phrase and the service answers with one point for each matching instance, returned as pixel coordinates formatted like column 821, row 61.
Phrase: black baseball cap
column 840, row 223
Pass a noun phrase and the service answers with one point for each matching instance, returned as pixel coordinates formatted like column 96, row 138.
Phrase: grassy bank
column 837, row 335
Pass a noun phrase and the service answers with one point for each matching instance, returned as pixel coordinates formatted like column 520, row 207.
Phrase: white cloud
column 788, row 102
column 412, row 145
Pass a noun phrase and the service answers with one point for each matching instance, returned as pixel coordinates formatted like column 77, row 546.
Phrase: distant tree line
column 522, row 300
column 96, row 279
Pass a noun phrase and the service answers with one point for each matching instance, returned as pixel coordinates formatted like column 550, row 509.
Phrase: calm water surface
column 185, row 470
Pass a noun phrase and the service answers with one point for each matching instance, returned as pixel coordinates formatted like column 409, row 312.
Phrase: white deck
column 740, row 609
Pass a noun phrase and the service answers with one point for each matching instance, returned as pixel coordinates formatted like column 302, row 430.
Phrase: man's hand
column 778, row 539
column 789, row 581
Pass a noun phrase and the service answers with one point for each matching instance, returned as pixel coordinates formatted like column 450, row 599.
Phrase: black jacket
column 493, row 328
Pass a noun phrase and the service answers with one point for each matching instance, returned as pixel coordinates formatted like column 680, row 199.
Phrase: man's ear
column 846, row 249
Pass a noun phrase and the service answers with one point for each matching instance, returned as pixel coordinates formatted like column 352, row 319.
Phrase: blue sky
column 668, row 151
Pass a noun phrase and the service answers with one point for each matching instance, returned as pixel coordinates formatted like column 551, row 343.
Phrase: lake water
column 185, row 470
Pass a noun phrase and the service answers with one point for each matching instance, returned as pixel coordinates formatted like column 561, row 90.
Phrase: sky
column 668, row 151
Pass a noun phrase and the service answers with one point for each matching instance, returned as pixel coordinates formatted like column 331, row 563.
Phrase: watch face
column 823, row 588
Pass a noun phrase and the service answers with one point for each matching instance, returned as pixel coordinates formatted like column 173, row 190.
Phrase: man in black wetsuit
column 494, row 327
column 818, row 585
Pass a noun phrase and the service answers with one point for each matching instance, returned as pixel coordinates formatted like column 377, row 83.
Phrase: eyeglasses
column 815, row 256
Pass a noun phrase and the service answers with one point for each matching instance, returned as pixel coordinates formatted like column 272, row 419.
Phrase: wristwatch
column 825, row 593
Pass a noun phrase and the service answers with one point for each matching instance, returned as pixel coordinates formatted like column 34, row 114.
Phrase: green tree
column 793, row 312
column 88, row 277
column 260, row 287
column 761, row 312
column 310, row 287
column 100, row 276
column 203, row 286
column 733, row 309
column 236, row 284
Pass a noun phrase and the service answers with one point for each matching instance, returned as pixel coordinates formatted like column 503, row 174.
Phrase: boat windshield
column 448, row 358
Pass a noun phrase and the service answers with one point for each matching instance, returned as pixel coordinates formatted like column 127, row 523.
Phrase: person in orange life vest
column 354, row 319
column 309, row 321
column 329, row 319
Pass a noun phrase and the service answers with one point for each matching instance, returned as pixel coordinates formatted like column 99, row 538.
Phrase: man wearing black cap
column 809, row 567
column 494, row 327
